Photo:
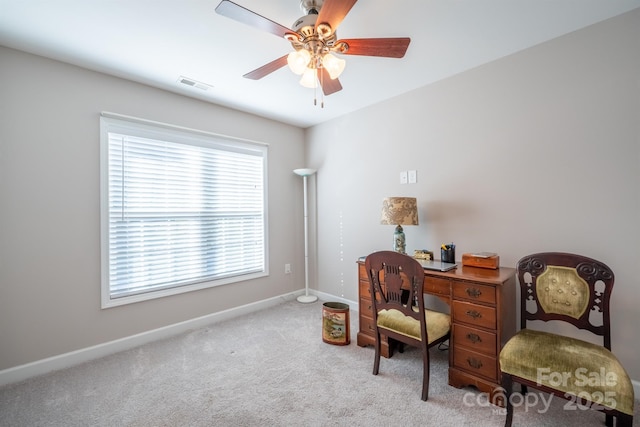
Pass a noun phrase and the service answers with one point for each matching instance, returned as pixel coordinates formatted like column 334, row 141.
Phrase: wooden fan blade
column 390, row 47
column 333, row 12
column 238, row 13
column 328, row 86
column 266, row 69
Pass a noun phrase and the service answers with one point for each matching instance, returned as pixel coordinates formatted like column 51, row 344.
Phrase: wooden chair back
column 398, row 283
column 566, row 287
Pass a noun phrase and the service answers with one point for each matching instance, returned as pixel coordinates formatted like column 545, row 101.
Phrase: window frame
column 112, row 122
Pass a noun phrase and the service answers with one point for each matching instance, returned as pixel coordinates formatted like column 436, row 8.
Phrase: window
column 181, row 210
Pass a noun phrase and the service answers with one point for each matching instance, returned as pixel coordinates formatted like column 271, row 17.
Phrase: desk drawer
column 474, row 292
column 474, row 339
column 437, row 286
column 366, row 325
column 366, row 307
column 474, row 314
column 478, row 364
column 365, row 289
column 362, row 272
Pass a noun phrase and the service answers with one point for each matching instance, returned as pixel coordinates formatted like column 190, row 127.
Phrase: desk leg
column 459, row 379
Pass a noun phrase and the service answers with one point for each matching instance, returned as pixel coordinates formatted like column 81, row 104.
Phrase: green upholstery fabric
column 438, row 324
column 561, row 290
column 570, row 365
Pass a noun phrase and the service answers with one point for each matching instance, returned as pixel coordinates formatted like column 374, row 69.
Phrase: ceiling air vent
column 194, row 83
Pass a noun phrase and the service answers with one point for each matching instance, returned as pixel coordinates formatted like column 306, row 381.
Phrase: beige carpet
column 269, row 368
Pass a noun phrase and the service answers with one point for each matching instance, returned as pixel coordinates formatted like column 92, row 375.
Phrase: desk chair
column 397, row 284
column 576, row 290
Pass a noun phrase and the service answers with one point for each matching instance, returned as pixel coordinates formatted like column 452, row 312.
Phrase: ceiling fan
column 314, row 40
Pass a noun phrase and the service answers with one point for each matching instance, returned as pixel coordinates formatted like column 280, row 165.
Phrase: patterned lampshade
column 399, row 211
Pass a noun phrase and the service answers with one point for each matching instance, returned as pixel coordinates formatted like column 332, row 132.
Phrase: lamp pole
column 306, row 298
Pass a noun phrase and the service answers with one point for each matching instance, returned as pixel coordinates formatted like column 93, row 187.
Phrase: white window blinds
column 182, row 209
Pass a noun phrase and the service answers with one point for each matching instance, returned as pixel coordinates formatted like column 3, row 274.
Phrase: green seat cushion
column 438, row 324
column 569, row 365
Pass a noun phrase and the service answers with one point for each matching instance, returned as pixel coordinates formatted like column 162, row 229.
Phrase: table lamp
column 399, row 211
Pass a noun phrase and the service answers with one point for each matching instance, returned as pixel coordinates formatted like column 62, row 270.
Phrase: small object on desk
column 481, row 259
column 423, row 254
column 437, row 265
column 448, row 253
column 484, row 254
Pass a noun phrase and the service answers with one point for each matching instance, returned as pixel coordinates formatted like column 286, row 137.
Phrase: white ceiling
column 157, row 41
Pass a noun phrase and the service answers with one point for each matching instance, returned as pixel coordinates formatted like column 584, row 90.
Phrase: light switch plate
column 413, row 177
column 403, row 177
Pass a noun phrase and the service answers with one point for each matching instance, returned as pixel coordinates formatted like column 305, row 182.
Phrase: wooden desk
column 483, row 308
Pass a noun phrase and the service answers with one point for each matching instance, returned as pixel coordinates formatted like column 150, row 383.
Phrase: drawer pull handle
column 474, row 314
column 474, row 338
column 474, row 363
column 473, row 292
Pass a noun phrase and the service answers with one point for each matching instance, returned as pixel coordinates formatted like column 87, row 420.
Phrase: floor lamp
column 306, row 298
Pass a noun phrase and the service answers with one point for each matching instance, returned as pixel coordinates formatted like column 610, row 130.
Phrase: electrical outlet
column 413, row 177
column 287, row 269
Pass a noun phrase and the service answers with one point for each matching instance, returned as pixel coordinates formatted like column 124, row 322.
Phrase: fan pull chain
column 322, row 92
column 315, row 91
column 315, row 95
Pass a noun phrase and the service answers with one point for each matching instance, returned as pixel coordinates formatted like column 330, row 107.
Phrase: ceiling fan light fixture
column 312, row 37
column 333, row 65
column 298, row 60
column 309, row 78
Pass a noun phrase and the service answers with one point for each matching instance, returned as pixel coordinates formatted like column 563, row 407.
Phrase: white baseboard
column 66, row 360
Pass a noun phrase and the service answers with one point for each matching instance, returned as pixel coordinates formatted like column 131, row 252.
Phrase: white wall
column 49, row 207
column 538, row 151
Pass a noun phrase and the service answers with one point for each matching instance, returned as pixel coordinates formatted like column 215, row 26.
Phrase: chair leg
column 608, row 420
column 425, row 374
column 507, row 385
column 376, row 360
column 623, row 420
